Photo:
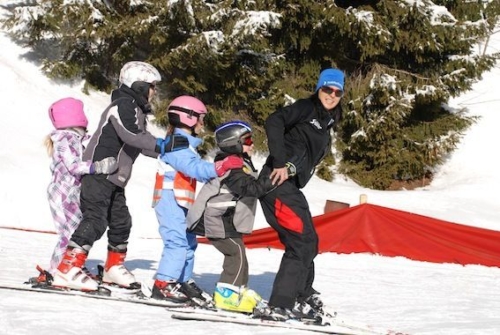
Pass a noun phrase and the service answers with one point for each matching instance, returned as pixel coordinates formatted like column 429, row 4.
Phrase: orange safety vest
column 184, row 189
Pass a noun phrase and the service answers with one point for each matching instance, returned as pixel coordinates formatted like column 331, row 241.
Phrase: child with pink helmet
column 175, row 189
column 65, row 147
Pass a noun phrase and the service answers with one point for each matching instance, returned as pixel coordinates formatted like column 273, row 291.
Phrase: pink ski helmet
column 185, row 111
column 67, row 113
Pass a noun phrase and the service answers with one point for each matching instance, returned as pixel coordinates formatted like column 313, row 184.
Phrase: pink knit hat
column 67, row 113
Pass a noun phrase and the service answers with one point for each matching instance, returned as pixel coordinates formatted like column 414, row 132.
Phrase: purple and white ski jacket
column 63, row 192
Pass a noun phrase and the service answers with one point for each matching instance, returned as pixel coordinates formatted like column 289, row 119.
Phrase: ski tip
column 146, row 289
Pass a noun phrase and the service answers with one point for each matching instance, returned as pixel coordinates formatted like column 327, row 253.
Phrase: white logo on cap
column 332, row 83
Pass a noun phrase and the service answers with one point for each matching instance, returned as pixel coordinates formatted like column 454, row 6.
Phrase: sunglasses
column 247, row 141
column 328, row 90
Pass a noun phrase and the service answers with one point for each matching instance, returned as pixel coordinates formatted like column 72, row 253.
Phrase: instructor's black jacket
column 300, row 133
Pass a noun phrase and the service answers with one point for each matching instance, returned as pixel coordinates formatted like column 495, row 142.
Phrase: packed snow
column 388, row 293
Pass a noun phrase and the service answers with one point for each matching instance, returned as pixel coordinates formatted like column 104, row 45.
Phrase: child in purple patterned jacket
column 65, row 147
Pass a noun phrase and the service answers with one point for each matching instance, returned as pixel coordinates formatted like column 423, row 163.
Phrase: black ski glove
column 171, row 142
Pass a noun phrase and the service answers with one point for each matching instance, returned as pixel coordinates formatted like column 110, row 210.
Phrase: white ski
column 247, row 320
column 336, row 326
column 124, row 297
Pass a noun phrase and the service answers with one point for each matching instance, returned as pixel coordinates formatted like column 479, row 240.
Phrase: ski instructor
column 299, row 137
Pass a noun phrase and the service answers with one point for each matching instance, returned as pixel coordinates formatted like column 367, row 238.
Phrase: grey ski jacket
column 225, row 206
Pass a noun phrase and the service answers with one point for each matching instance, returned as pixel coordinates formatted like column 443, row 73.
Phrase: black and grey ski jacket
column 225, row 207
column 122, row 134
column 300, row 133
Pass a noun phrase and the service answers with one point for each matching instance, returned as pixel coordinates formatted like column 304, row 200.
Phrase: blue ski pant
column 177, row 259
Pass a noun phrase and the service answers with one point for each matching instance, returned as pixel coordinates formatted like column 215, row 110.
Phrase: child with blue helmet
column 224, row 212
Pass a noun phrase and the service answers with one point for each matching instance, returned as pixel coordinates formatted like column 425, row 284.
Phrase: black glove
column 171, row 142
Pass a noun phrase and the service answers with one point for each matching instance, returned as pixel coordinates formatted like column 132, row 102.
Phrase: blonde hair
column 170, row 129
column 49, row 145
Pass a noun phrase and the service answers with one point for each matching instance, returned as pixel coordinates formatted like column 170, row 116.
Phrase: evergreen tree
column 244, row 59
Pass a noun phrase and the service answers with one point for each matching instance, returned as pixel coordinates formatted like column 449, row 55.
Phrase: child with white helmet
column 65, row 147
column 224, row 212
column 175, row 190
column 121, row 134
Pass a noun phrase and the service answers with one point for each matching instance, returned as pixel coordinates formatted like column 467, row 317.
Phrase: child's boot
column 114, row 270
column 169, row 291
column 234, row 298
column 69, row 272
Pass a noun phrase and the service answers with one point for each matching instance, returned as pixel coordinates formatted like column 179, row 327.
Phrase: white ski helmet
column 136, row 71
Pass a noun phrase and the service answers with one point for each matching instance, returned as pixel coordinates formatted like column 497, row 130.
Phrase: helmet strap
column 190, row 112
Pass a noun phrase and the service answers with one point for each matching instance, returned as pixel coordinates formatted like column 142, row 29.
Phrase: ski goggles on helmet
column 247, row 141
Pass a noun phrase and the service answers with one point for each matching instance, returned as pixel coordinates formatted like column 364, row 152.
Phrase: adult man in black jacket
column 299, row 137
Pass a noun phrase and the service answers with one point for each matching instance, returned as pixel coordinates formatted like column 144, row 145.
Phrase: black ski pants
column 287, row 211
column 103, row 205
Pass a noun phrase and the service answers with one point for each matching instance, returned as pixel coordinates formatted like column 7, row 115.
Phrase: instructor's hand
column 278, row 176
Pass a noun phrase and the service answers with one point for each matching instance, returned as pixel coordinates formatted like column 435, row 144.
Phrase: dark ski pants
column 287, row 211
column 235, row 266
column 103, row 206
